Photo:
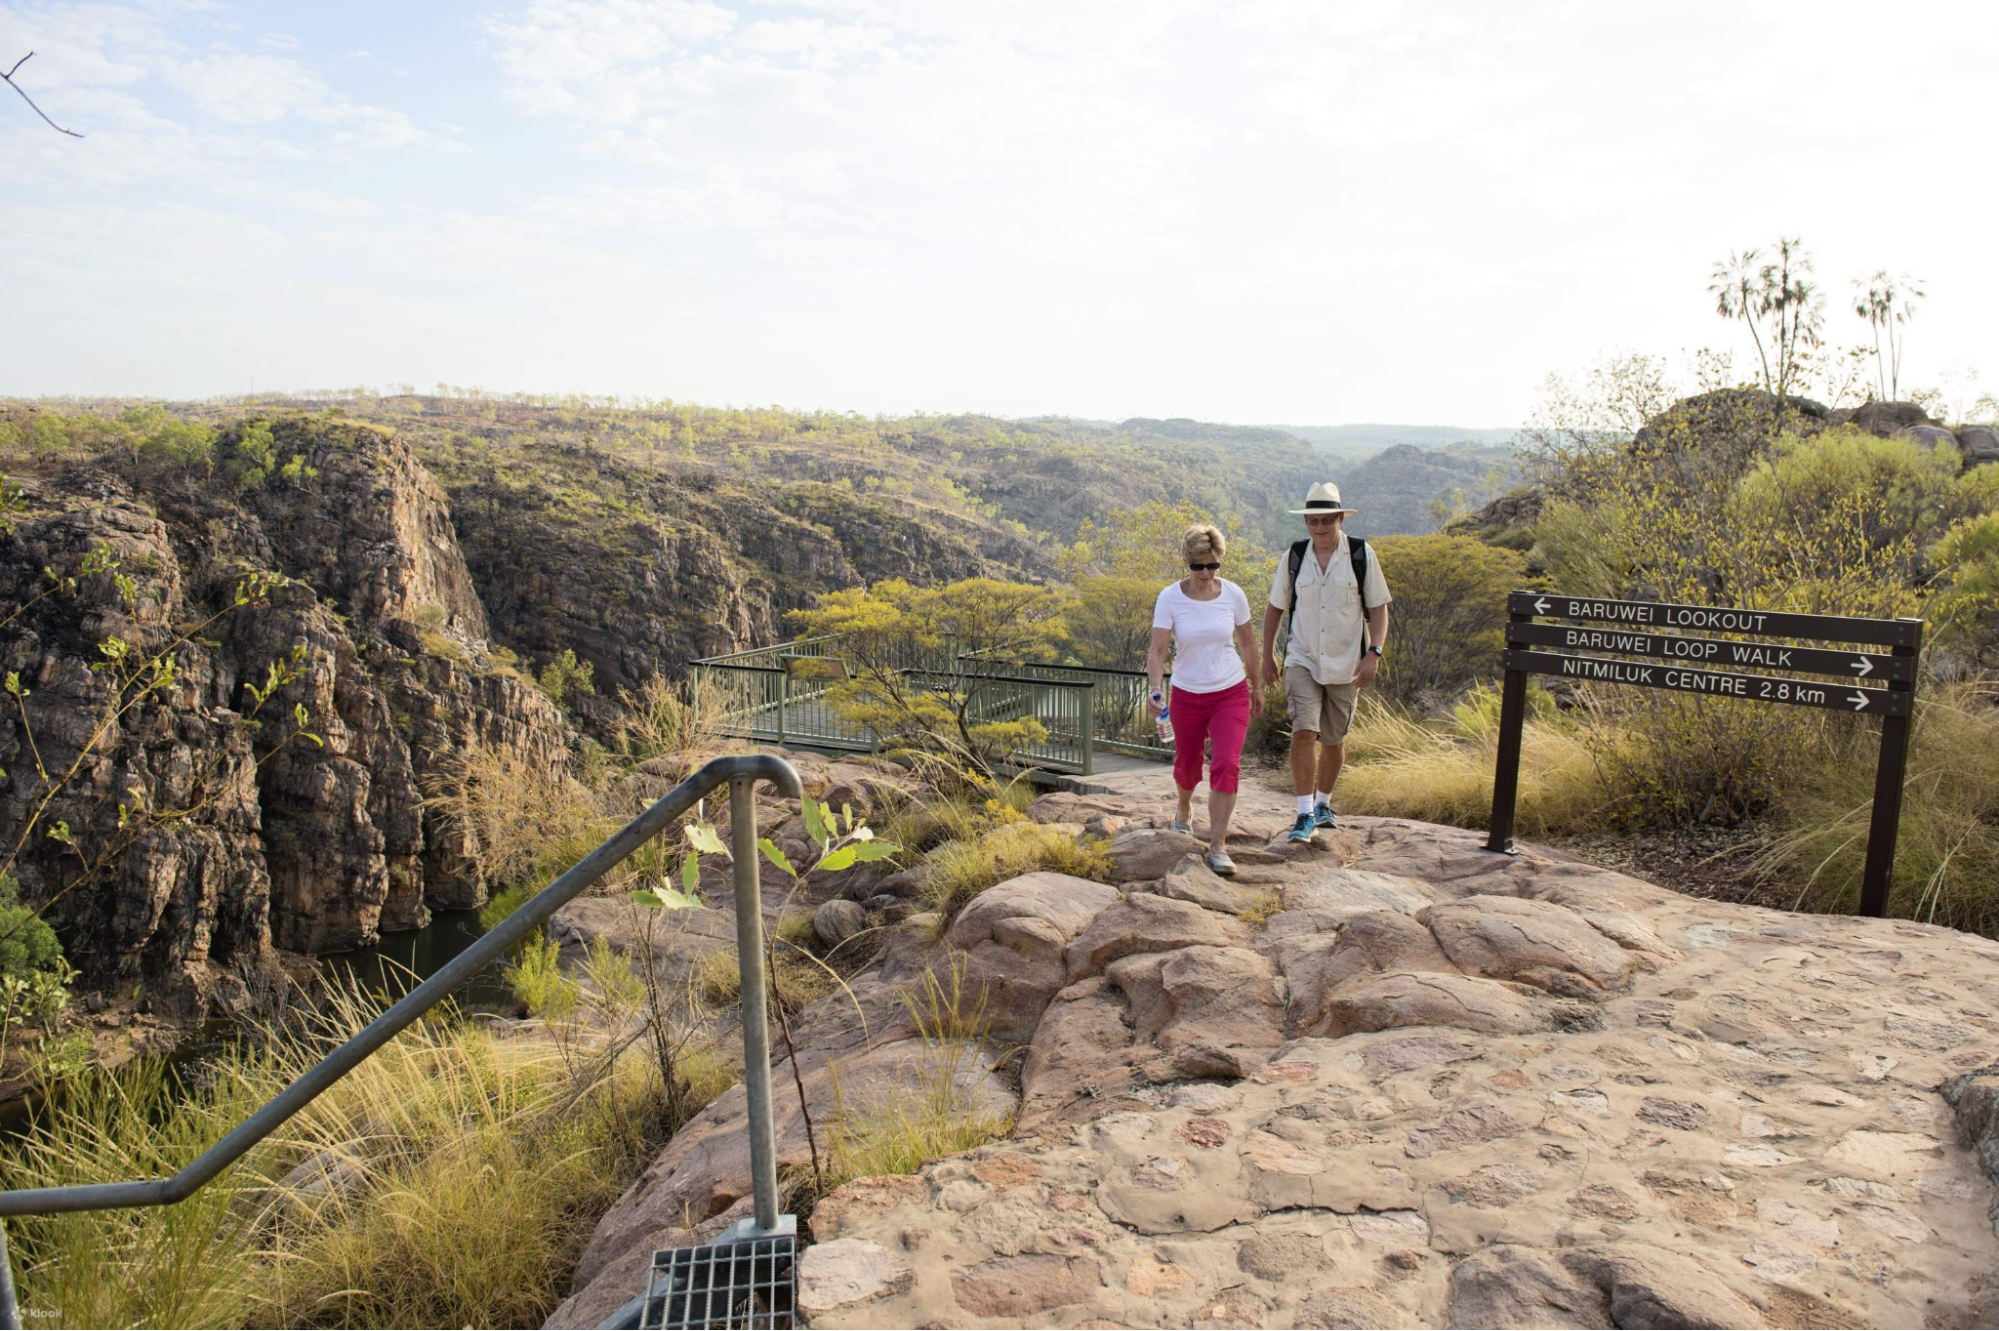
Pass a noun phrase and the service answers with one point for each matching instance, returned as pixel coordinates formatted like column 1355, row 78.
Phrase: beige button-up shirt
column 1329, row 628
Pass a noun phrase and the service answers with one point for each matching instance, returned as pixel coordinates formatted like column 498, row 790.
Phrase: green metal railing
column 1084, row 709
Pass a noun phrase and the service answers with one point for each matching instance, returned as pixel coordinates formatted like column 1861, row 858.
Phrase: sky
column 1259, row 210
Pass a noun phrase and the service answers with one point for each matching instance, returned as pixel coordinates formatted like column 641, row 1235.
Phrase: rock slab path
column 1394, row 1079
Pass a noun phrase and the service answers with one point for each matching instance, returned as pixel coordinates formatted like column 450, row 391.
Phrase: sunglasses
column 1208, row 567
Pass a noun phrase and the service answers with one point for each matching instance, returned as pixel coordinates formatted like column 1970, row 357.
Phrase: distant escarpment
column 639, row 572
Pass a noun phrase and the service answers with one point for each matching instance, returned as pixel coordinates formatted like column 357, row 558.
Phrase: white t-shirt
column 1328, row 629
column 1204, row 655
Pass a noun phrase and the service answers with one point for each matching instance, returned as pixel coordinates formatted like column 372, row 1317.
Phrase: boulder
column 1373, row 942
column 1933, row 437
column 1652, row 1287
column 1214, row 1011
column 1147, row 923
column 1887, row 418
column 681, row 939
column 1141, row 853
column 1426, row 998
column 837, row 921
column 1015, row 938
column 1517, row 1287
column 887, row 907
column 1506, row 938
column 1195, row 882
column 1980, row 443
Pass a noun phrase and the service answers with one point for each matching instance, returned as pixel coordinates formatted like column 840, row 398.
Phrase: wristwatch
column 1374, row 649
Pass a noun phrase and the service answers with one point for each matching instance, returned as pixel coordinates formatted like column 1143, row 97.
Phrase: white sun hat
column 1323, row 498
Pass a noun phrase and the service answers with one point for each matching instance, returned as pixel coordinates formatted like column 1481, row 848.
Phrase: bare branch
column 8, row 78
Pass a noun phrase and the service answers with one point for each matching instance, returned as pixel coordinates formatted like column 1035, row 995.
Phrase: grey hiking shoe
column 1181, row 825
column 1219, row 861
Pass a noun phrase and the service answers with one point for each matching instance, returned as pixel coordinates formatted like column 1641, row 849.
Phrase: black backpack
column 1357, row 551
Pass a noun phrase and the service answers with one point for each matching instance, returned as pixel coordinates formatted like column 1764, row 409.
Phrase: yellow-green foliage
column 1449, row 624
column 957, row 871
column 719, row 977
column 537, row 980
column 1110, row 621
column 1965, row 608
column 1260, row 908
column 467, row 1174
column 1144, row 543
column 664, row 717
column 892, row 628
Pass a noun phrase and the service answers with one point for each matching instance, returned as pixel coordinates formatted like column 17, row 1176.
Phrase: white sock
column 1325, row 797
column 1304, row 804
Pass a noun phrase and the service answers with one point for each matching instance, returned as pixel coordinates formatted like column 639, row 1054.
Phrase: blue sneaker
column 1323, row 816
column 1302, row 829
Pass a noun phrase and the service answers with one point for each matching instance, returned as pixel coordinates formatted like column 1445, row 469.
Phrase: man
column 1339, row 624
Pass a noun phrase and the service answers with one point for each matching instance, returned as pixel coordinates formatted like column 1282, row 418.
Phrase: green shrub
column 535, row 976
column 1449, row 617
column 564, row 675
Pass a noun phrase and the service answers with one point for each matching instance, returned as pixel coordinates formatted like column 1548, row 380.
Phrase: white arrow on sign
column 1541, row 606
column 1859, row 702
column 1863, row 666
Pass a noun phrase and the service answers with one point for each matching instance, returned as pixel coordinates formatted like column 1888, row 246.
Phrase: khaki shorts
column 1325, row 708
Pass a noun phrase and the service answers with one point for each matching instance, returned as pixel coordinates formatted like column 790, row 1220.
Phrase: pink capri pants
column 1223, row 717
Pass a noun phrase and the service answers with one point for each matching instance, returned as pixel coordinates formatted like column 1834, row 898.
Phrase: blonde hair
column 1203, row 543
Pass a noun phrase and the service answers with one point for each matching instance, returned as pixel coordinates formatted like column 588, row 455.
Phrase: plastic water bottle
column 1165, row 725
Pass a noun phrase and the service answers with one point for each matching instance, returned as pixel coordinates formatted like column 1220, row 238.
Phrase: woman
column 1207, row 619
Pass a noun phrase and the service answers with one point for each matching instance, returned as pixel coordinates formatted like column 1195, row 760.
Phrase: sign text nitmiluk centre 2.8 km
column 1596, row 651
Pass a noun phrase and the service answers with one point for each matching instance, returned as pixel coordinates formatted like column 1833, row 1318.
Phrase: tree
column 1800, row 310
column 1450, row 612
column 1110, row 623
column 564, row 675
column 1887, row 303
column 1736, row 283
column 916, row 659
column 1746, row 287
column 1144, row 543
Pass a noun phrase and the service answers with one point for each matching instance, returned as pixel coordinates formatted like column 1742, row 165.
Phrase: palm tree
column 1888, row 303
column 1738, row 290
column 1788, row 292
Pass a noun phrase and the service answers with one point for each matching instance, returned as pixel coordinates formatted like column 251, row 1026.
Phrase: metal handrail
column 740, row 772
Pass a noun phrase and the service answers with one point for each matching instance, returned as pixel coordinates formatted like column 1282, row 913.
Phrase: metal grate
column 746, row 1282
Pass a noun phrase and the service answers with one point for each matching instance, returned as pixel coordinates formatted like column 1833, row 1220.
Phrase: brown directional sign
column 1714, row 651
column 1715, row 619
column 1764, row 688
column 1597, row 650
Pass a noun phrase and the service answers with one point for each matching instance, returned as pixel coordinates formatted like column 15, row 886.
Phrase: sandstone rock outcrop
column 1448, row 1088
column 311, row 846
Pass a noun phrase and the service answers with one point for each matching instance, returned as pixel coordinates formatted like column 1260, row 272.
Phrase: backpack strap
column 1297, row 561
column 1357, row 549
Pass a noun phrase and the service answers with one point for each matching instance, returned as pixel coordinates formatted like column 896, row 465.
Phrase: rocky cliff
column 279, row 841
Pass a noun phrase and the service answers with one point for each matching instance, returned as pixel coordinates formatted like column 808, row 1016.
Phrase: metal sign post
column 1863, row 683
